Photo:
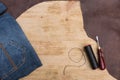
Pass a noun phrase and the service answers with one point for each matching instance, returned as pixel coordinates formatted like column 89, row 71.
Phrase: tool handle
column 101, row 59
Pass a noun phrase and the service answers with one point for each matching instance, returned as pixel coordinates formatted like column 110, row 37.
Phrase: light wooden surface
column 54, row 28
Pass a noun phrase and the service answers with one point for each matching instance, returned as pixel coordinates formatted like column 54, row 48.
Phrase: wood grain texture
column 53, row 31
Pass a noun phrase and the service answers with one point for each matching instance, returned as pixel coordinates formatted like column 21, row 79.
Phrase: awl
column 101, row 61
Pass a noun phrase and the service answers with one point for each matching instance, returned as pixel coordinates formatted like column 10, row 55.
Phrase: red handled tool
column 101, row 61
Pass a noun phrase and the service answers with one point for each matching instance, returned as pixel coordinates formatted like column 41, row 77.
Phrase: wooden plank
column 54, row 29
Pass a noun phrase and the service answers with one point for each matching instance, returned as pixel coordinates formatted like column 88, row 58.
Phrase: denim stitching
column 8, row 56
column 13, row 43
column 12, row 70
column 18, row 65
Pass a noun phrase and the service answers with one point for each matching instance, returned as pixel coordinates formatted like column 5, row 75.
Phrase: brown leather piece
column 101, row 17
column 17, row 7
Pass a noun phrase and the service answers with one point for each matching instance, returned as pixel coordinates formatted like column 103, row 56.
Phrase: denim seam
column 19, row 65
column 26, row 70
column 13, row 70
column 8, row 56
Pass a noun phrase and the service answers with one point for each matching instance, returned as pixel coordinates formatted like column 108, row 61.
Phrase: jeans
column 17, row 56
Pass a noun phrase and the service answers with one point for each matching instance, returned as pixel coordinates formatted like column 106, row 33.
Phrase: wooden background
column 54, row 28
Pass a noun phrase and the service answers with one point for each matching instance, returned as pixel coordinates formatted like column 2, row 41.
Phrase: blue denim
column 17, row 56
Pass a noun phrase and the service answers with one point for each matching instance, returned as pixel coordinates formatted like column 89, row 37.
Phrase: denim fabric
column 17, row 56
column 2, row 8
